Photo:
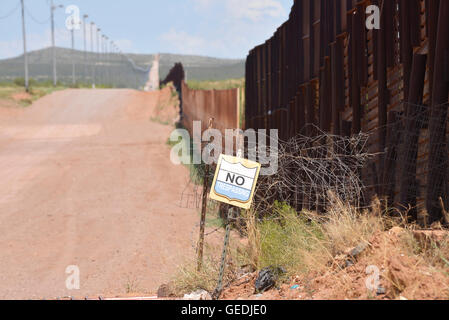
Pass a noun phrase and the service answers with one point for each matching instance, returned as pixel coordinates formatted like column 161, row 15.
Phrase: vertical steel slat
column 438, row 166
column 355, row 88
column 301, row 114
column 382, row 112
column 415, row 22
column 409, row 152
column 389, row 173
column 432, row 21
column 335, row 106
column 375, row 43
column 362, row 56
column 406, row 46
column 306, row 40
column 311, row 98
column 315, row 39
column 328, row 106
column 389, row 31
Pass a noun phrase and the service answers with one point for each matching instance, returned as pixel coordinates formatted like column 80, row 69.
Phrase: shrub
column 305, row 241
column 19, row 82
column 285, row 241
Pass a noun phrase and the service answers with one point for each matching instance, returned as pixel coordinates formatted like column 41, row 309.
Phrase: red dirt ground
column 21, row 96
column 87, row 181
column 403, row 275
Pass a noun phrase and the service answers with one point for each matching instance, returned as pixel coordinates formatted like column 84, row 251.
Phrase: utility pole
column 123, row 76
column 73, row 52
column 85, row 46
column 106, row 58
column 92, row 24
column 112, row 62
column 98, row 49
column 53, row 49
column 53, row 46
column 25, row 54
column 103, row 48
column 102, row 58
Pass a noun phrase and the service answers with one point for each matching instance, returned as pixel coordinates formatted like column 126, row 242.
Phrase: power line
column 36, row 20
column 11, row 12
column 104, row 56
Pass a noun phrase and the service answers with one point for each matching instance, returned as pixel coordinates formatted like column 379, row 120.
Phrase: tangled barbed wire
column 310, row 172
column 313, row 170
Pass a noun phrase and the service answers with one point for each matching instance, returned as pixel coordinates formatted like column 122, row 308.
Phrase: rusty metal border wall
column 176, row 75
column 324, row 67
column 201, row 105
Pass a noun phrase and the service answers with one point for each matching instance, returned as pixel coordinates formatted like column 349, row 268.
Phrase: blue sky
column 218, row 28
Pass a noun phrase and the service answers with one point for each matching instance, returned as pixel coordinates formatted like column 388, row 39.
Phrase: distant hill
column 116, row 70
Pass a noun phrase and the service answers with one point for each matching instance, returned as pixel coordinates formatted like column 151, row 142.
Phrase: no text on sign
column 235, row 181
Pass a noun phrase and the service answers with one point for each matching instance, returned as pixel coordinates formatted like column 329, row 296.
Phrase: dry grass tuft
column 314, row 250
column 346, row 227
column 308, row 241
column 189, row 279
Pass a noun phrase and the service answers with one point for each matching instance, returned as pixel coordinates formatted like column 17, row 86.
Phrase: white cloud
column 224, row 28
column 203, row 3
column 231, row 28
column 183, row 42
column 254, row 10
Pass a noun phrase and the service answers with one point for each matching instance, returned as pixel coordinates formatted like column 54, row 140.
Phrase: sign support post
column 234, row 184
column 224, row 253
column 200, row 247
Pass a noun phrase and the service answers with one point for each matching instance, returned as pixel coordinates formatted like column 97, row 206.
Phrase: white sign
column 235, row 181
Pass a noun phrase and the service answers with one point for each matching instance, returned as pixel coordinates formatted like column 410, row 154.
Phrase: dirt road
column 86, row 180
